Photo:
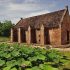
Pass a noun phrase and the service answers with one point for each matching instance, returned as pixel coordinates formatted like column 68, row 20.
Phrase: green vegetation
column 4, row 39
column 23, row 57
column 5, row 28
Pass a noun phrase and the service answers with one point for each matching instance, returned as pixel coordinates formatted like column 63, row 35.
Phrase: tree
column 5, row 28
column 0, row 28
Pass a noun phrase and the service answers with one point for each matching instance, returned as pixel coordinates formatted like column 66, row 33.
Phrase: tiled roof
column 48, row 20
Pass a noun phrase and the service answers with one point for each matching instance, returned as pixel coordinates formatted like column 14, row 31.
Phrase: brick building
column 51, row 28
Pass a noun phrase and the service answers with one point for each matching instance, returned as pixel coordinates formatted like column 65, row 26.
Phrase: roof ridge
column 63, row 15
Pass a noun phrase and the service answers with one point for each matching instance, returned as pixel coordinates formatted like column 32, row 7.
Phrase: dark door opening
column 67, row 36
column 33, row 36
column 15, row 36
column 46, row 35
column 23, row 36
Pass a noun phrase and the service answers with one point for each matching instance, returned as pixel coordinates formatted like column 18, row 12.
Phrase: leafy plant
column 23, row 57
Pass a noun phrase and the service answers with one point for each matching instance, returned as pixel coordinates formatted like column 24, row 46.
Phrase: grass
column 66, row 53
column 4, row 39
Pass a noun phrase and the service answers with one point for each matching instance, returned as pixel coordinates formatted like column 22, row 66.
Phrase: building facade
column 51, row 28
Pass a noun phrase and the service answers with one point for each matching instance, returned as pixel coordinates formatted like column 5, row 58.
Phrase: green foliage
column 22, row 57
column 13, row 69
column 47, row 67
column 35, row 68
column 5, row 28
column 2, row 62
column 53, row 55
column 7, row 68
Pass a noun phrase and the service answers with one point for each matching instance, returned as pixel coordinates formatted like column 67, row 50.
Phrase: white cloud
column 26, row 1
column 32, row 1
column 11, row 10
column 38, row 13
column 24, row 7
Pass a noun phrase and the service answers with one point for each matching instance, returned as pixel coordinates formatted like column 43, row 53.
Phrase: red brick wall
column 59, row 35
column 55, row 36
column 65, row 26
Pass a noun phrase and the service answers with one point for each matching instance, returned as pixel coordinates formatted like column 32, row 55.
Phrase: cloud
column 38, row 13
column 15, row 9
column 32, row 1
column 27, row 1
column 23, row 7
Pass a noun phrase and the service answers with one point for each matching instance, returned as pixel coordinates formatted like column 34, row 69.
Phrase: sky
column 15, row 9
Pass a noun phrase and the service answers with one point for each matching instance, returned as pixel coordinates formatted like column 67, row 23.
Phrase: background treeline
column 5, row 27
